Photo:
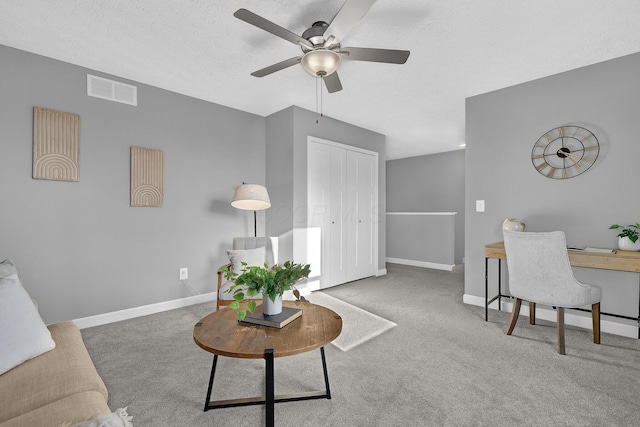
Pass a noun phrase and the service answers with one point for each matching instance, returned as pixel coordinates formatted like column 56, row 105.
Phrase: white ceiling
column 459, row 48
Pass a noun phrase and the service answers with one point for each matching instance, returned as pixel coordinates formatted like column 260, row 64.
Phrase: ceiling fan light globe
column 321, row 62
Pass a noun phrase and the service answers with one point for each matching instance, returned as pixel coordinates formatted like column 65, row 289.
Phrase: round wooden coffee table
column 220, row 333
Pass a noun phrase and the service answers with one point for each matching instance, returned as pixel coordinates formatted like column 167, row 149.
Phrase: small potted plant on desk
column 628, row 238
column 272, row 282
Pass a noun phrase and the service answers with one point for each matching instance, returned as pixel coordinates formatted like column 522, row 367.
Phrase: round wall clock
column 565, row 152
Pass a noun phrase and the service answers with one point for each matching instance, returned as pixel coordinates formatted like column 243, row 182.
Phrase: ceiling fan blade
column 375, row 55
column 270, row 27
column 332, row 82
column 277, row 67
column 348, row 16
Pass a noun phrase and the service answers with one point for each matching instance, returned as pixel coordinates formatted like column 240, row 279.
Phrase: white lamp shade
column 321, row 62
column 251, row 197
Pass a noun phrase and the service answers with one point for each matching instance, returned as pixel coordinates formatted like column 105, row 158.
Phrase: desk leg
column 499, row 296
column 499, row 285
column 270, row 391
column 486, row 289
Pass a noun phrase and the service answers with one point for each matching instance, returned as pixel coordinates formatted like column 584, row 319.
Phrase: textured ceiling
column 459, row 48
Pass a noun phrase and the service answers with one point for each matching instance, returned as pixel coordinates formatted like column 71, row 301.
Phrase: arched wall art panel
column 56, row 145
column 147, row 169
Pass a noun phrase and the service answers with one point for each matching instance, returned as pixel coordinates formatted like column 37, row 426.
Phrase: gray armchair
column 253, row 251
column 540, row 272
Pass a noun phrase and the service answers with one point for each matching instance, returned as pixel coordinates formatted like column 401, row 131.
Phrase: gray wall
column 80, row 248
column 422, row 240
column 433, row 183
column 502, row 127
column 286, row 143
column 279, row 178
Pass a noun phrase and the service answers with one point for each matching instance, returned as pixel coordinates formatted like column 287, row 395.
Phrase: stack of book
column 281, row 320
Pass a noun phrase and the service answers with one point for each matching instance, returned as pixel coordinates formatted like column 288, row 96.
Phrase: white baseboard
column 381, row 272
column 130, row 313
column 609, row 326
column 423, row 264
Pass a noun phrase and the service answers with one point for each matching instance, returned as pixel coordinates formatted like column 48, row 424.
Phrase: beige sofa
column 58, row 388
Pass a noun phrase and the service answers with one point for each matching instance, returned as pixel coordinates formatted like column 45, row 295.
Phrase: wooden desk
column 620, row 261
column 220, row 333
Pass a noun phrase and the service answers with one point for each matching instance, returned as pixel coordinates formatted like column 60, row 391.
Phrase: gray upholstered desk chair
column 539, row 272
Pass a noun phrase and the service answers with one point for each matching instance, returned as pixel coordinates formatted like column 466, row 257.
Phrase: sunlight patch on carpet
column 358, row 325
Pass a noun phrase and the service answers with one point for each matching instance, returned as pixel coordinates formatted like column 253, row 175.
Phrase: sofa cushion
column 67, row 411
column 23, row 334
column 59, row 373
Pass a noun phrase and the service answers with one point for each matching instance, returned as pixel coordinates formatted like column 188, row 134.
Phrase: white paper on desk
column 590, row 249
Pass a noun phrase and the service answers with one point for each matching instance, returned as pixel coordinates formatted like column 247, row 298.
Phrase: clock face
column 565, row 152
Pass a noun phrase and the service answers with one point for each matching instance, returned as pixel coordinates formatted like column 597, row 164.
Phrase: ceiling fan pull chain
column 320, row 90
column 318, row 97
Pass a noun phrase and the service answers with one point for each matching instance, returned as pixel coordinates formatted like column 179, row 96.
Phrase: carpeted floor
column 441, row 365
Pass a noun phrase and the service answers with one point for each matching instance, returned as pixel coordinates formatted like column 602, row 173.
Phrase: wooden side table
column 220, row 333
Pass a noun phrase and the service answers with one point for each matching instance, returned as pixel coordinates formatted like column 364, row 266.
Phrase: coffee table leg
column 213, row 373
column 326, row 375
column 270, row 388
column 269, row 399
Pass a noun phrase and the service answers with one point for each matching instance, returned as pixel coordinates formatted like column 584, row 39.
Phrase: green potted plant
column 271, row 282
column 628, row 238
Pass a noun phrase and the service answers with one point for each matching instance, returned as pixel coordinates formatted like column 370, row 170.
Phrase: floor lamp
column 251, row 197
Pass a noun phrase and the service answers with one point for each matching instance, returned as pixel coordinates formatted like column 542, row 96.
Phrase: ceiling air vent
column 111, row 90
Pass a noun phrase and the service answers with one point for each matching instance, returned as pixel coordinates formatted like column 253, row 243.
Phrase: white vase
column 513, row 224
column 625, row 244
column 269, row 307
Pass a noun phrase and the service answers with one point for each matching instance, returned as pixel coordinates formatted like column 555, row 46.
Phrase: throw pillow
column 119, row 418
column 250, row 256
column 7, row 267
column 23, row 334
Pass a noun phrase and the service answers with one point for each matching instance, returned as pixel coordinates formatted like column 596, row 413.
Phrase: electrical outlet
column 184, row 273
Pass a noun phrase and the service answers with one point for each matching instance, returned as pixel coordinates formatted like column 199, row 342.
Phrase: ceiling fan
column 321, row 50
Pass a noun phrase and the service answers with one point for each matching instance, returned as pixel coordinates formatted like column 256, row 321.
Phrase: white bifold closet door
column 342, row 190
column 360, row 219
